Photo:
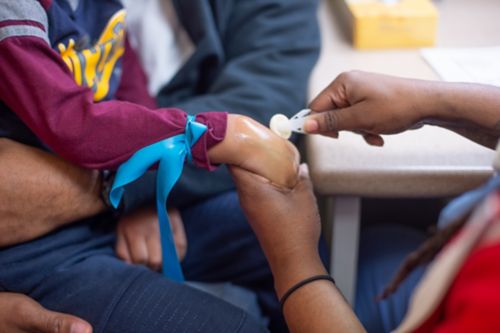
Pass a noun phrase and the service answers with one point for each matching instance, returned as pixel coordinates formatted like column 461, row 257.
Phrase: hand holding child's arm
column 287, row 225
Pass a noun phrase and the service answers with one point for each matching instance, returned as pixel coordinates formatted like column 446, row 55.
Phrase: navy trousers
column 382, row 249
column 75, row 270
column 223, row 248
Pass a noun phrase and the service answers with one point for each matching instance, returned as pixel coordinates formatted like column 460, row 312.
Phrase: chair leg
column 345, row 215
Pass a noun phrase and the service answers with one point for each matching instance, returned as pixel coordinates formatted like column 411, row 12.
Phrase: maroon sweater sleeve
column 39, row 88
column 133, row 81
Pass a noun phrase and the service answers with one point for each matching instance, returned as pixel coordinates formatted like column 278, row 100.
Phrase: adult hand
column 286, row 222
column 369, row 104
column 138, row 237
column 21, row 314
column 287, row 225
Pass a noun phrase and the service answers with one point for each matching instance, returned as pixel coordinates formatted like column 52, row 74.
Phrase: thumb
column 46, row 321
column 331, row 122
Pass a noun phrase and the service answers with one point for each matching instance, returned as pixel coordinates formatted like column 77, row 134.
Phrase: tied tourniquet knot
column 170, row 154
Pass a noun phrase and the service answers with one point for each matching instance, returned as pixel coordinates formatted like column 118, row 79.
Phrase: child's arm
column 39, row 88
column 253, row 147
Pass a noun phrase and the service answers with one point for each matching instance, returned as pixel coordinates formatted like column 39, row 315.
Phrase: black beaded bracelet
column 301, row 284
column 107, row 178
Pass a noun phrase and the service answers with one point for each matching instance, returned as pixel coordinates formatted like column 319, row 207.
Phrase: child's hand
column 253, row 147
column 138, row 237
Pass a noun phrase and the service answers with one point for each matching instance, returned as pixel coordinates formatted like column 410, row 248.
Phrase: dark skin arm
column 375, row 104
column 40, row 192
column 287, row 225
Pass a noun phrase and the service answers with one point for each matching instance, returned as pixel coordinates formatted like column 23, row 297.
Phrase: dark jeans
column 222, row 247
column 382, row 249
column 75, row 270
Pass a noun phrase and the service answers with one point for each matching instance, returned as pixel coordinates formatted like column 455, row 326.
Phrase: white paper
column 477, row 65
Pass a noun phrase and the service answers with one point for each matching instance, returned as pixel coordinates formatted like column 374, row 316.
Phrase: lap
column 221, row 244
column 74, row 270
column 116, row 297
column 223, row 248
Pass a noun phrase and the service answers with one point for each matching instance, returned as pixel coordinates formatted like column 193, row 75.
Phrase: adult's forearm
column 375, row 104
column 316, row 307
column 471, row 103
column 40, row 192
column 287, row 225
column 469, row 109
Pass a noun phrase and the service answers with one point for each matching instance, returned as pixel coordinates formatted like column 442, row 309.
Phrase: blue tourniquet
column 171, row 154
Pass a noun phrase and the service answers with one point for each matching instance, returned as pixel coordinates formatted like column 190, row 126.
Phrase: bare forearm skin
column 472, row 110
column 316, row 307
column 40, row 192
column 287, row 224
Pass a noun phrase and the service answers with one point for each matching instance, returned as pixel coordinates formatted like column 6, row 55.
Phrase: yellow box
column 390, row 24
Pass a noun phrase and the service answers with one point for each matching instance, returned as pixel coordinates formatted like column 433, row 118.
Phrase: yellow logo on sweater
column 94, row 66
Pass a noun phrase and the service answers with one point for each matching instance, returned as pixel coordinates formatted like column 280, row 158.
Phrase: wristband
column 301, row 284
column 169, row 154
column 107, row 179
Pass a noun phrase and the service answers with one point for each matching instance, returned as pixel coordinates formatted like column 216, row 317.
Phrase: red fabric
column 133, row 82
column 39, row 88
column 473, row 301
column 22, row 22
column 45, row 3
column 216, row 123
column 133, row 88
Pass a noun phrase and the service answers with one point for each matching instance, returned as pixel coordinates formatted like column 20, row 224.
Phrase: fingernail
column 79, row 328
column 311, row 126
column 379, row 141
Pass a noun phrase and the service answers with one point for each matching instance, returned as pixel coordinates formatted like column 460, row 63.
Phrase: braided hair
column 423, row 255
